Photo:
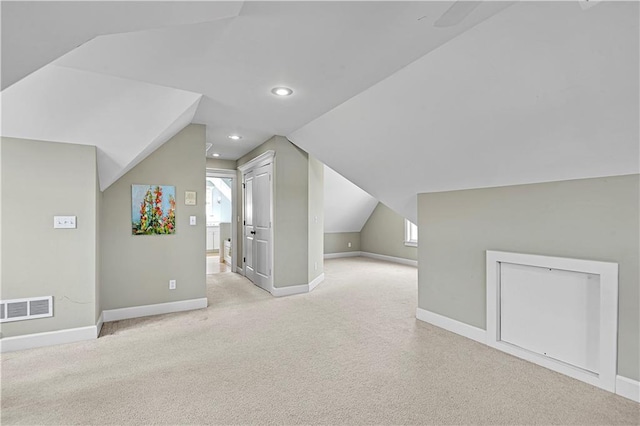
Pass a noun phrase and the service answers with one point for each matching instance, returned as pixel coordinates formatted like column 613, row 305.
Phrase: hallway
column 214, row 264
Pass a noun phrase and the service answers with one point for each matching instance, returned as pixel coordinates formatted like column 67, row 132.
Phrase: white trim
column 157, row 309
column 49, row 338
column 552, row 364
column 624, row 386
column 290, row 290
column 606, row 379
column 454, row 326
column 227, row 173
column 342, row 254
column 628, row 388
column 317, row 280
column 99, row 325
column 265, row 158
column 386, row 258
column 400, row 260
column 240, row 271
column 408, row 241
column 297, row 289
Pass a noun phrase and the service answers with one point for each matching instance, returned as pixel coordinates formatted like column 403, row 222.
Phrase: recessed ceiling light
column 235, row 137
column 215, row 154
column 281, row 91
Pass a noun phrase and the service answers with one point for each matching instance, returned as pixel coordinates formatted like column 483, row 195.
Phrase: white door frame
column 261, row 160
column 230, row 174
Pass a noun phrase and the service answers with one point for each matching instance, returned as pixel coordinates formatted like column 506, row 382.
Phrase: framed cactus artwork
column 153, row 209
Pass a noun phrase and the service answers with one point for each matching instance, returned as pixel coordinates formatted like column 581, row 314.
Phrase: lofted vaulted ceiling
column 509, row 93
column 543, row 91
column 230, row 53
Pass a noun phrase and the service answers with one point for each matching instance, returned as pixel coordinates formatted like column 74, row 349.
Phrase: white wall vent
column 25, row 309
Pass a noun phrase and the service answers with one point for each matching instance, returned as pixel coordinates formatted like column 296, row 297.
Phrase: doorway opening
column 221, row 228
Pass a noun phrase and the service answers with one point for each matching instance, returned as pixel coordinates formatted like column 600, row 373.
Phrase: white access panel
column 552, row 312
column 560, row 313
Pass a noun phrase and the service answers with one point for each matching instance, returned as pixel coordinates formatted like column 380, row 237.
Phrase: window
column 410, row 234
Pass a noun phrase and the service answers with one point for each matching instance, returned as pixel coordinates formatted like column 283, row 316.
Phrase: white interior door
column 249, row 269
column 257, row 226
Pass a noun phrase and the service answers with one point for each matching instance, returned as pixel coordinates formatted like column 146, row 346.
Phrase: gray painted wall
column 291, row 210
column 40, row 180
column 593, row 219
column 216, row 163
column 316, row 218
column 383, row 233
column 338, row 242
column 136, row 269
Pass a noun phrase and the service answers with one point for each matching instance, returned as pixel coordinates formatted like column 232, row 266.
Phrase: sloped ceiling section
column 126, row 120
column 36, row 33
column 543, row 91
column 326, row 51
column 346, row 207
column 127, row 74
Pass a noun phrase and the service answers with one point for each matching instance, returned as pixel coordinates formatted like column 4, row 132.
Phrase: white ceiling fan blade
column 456, row 13
column 587, row 4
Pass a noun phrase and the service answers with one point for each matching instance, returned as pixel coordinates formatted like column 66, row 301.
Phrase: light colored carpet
column 350, row 352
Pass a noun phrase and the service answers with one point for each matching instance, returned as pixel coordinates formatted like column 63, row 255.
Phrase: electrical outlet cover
column 64, row 222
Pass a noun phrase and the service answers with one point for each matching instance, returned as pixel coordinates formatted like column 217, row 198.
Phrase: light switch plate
column 64, row 222
column 192, row 220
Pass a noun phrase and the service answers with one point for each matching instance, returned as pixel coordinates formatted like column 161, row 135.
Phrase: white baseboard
column 49, row 338
column 342, row 254
column 400, row 260
column 317, row 280
column 628, row 388
column 466, row 330
column 625, row 387
column 297, row 289
column 157, row 309
column 290, row 290
column 99, row 324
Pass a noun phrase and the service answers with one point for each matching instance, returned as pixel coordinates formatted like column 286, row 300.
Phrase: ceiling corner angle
column 106, row 179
